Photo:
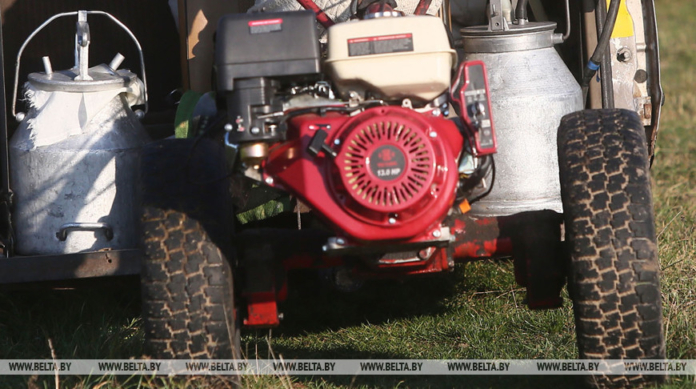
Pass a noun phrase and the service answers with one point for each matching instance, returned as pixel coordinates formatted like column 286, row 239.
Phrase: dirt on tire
column 609, row 220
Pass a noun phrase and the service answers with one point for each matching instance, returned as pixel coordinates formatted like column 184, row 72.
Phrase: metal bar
column 653, row 62
column 470, row 238
column 480, row 237
column 5, row 192
column 137, row 45
column 446, row 14
column 62, row 234
column 182, row 6
column 595, row 92
column 69, row 266
column 567, row 29
column 605, row 68
column 19, row 57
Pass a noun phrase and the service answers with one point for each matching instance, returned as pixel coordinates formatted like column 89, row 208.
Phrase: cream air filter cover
column 392, row 57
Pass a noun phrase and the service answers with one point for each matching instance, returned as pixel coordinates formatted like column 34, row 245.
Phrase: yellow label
column 624, row 23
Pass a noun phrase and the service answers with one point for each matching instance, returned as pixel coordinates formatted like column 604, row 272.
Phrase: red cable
column 422, row 7
column 321, row 16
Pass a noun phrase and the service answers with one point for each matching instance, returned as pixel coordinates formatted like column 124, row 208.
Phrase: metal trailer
column 494, row 226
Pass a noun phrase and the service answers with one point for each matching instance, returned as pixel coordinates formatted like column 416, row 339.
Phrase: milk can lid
column 530, row 36
column 102, row 78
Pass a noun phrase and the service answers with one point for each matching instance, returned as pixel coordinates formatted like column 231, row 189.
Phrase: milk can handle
column 62, row 234
column 60, row 15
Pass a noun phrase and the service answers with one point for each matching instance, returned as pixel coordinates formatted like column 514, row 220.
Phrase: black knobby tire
column 187, row 284
column 614, row 270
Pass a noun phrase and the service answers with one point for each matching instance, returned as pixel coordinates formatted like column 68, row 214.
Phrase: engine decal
column 387, row 162
column 384, row 44
column 265, row 26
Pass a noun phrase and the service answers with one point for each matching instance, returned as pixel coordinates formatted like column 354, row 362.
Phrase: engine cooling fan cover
column 391, row 166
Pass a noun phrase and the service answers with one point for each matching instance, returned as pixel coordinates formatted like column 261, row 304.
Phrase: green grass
column 674, row 176
column 475, row 312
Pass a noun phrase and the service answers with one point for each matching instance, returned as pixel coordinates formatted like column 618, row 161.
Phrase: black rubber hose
column 602, row 43
column 605, row 66
column 521, row 10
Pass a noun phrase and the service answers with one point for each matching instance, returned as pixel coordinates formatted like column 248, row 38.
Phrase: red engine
column 388, row 173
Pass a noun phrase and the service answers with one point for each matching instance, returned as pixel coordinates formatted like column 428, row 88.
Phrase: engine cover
column 394, row 175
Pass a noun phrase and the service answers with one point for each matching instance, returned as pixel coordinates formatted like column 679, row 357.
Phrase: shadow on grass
column 87, row 319
column 314, row 306
column 97, row 319
column 420, row 381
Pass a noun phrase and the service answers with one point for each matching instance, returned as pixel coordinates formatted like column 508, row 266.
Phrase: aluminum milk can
column 531, row 89
column 74, row 159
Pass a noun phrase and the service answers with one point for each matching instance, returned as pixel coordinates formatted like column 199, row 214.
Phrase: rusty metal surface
column 69, row 266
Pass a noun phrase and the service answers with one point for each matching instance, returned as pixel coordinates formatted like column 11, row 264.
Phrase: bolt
column 437, row 112
column 624, row 54
column 269, row 180
column 425, row 253
column 433, row 134
column 255, row 130
column 340, row 241
column 324, row 248
column 20, row 116
column 229, row 127
column 337, row 142
column 392, row 220
column 641, row 76
column 281, row 316
column 437, row 233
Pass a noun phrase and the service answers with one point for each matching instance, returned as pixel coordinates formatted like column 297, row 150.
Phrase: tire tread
column 605, row 185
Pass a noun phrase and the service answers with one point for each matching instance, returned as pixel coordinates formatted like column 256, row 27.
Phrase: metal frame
column 21, row 269
column 266, row 255
column 5, row 192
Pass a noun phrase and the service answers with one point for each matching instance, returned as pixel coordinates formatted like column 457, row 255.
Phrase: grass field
column 476, row 312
